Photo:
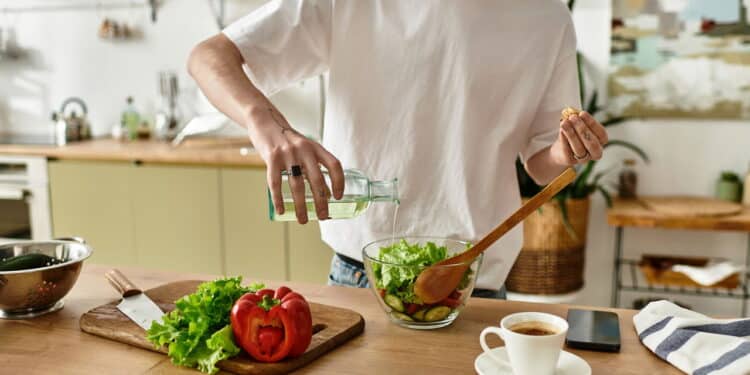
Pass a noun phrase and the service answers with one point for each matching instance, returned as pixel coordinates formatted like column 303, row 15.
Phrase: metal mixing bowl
column 33, row 292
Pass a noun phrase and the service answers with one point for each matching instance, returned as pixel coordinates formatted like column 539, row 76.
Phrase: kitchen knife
column 135, row 304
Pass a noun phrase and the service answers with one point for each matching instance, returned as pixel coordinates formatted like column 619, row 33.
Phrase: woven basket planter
column 551, row 261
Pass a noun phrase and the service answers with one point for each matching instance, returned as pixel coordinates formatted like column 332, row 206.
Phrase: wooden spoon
column 437, row 282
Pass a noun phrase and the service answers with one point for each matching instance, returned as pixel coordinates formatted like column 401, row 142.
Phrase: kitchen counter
column 53, row 344
column 196, row 151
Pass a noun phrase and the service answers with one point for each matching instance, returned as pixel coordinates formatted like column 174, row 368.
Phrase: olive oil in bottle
column 359, row 193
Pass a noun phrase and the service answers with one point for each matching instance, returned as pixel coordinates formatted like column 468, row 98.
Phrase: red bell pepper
column 271, row 326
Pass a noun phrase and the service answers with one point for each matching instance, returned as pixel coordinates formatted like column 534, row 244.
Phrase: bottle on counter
column 746, row 188
column 628, row 181
column 359, row 192
column 117, row 132
column 144, row 131
column 130, row 119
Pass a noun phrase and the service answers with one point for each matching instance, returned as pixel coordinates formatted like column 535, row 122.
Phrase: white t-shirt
column 442, row 95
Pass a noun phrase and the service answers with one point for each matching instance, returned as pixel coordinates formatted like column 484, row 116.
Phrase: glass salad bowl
column 392, row 267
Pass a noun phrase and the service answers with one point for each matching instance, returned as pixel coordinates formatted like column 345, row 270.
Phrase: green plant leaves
column 581, row 81
column 729, row 176
column 582, row 187
column 613, row 121
column 561, row 200
column 593, row 106
column 605, row 193
column 630, row 146
column 579, row 187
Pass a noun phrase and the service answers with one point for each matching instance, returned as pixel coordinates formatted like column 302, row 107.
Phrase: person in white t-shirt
column 443, row 95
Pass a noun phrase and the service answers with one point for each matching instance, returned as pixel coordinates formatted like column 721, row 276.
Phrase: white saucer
column 569, row 364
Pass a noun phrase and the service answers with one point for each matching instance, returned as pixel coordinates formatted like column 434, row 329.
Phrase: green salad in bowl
column 392, row 268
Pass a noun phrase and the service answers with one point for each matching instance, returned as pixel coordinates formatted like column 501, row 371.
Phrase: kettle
column 69, row 125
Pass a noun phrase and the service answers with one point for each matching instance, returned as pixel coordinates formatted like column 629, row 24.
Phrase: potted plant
column 552, row 258
column 729, row 187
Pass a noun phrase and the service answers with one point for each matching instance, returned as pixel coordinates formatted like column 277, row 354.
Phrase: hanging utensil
column 153, row 4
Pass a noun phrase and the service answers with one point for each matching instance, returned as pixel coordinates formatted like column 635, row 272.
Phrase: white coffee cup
column 528, row 354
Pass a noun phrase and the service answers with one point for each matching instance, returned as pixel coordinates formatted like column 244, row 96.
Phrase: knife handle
column 121, row 283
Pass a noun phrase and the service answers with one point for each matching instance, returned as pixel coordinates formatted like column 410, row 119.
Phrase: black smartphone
column 593, row 330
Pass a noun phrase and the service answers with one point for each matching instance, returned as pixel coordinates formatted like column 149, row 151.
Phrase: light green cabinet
column 176, row 218
column 191, row 219
column 309, row 256
column 254, row 246
column 92, row 200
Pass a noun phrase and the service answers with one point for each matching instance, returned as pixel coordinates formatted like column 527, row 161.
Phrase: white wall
column 687, row 157
column 66, row 58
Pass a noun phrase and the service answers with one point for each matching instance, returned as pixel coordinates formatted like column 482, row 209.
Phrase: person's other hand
column 581, row 138
column 285, row 149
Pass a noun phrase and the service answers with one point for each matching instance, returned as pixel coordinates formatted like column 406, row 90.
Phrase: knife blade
column 135, row 304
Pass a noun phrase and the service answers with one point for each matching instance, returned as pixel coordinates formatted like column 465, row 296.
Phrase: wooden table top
column 195, row 151
column 634, row 213
column 53, row 344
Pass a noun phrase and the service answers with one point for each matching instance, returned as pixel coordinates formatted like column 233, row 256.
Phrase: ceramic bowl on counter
column 392, row 282
column 30, row 292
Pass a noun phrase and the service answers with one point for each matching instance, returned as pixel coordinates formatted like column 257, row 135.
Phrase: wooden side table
column 637, row 214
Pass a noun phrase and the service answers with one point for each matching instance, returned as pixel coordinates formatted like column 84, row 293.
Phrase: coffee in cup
column 534, row 328
column 533, row 342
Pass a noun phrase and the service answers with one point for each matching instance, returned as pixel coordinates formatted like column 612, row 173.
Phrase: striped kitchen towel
column 695, row 343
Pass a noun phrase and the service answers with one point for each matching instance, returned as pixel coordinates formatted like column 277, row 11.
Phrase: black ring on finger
column 295, row 171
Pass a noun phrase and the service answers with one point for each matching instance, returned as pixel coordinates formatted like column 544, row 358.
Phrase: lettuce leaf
column 411, row 260
column 198, row 331
column 221, row 346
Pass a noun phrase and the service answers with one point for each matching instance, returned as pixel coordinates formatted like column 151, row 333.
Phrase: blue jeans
column 345, row 274
column 351, row 275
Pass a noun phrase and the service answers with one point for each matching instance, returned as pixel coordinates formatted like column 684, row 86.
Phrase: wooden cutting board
column 691, row 206
column 332, row 326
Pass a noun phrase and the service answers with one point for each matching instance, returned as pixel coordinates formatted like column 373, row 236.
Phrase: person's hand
column 581, row 138
column 285, row 149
